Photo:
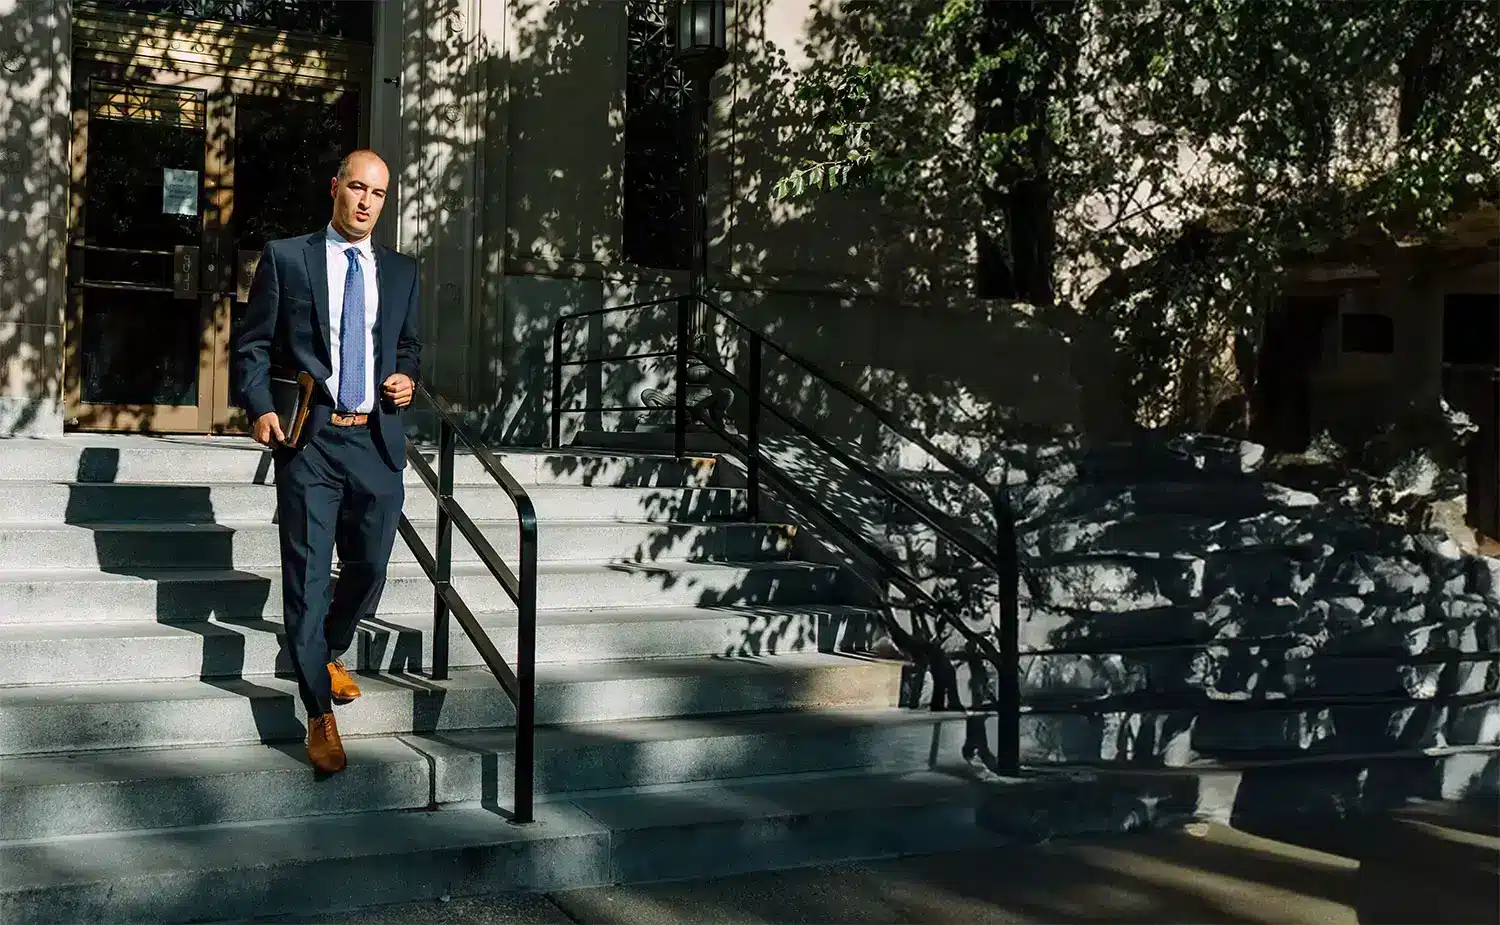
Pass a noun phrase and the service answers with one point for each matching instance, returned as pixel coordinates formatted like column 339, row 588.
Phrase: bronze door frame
column 223, row 64
column 82, row 290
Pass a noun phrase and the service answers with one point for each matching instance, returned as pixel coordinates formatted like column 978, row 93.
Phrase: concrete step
column 99, row 458
column 238, row 872
column 405, row 644
column 1166, row 496
column 1181, row 735
column 649, row 438
column 81, row 717
column 121, row 547
column 330, row 863
column 1474, row 629
column 1149, row 533
column 228, row 649
column 186, row 595
column 118, row 791
column 1242, row 671
column 341, row 862
column 34, row 503
column 1295, row 796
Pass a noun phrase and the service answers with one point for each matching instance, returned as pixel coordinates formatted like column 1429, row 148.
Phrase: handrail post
column 526, row 675
column 557, row 341
column 752, row 464
column 679, row 440
column 444, row 556
column 1009, row 746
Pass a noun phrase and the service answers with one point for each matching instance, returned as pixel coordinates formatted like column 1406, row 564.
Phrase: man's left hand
column 398, row 388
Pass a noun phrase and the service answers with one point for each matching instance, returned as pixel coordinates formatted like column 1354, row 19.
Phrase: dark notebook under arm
column 292, row 399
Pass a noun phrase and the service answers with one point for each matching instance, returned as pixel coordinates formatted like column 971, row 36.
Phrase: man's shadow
column 222, row 605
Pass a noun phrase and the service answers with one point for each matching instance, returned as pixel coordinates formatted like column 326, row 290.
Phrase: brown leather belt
column 348, row 420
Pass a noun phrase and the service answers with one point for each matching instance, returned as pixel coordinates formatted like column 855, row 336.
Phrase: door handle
column 185, row 272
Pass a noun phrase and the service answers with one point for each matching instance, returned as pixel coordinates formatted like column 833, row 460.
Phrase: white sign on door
column 179, row 191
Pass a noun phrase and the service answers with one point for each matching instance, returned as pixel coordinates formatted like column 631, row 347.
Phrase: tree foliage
column 1159, row 162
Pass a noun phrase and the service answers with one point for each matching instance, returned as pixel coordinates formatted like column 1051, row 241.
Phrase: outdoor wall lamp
column 698, row 27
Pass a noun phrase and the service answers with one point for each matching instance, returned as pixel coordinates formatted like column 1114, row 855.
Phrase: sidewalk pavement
column 1208, row 873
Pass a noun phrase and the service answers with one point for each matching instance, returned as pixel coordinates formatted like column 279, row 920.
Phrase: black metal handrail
column 519, row 684
column 1002, row 558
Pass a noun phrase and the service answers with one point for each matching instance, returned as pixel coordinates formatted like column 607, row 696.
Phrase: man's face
column 359, row 196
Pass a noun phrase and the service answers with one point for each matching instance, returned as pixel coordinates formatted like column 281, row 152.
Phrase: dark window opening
column 1281, row 401
column 1471, row 329
column 346, row 20
column 1367, row 332
column 657, row 130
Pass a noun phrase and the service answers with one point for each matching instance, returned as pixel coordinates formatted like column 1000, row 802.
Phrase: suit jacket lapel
column 317, row 274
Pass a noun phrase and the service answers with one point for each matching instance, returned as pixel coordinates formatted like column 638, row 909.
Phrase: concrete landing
column 1208, row 874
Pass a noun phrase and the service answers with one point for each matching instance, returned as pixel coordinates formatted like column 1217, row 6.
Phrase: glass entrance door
column 139, row 316
column 179, row 181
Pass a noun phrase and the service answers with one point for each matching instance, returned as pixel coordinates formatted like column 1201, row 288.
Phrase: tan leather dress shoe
column 344, row 688
column 324, row 748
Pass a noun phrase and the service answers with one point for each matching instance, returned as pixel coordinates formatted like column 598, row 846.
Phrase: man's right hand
column 267, row 430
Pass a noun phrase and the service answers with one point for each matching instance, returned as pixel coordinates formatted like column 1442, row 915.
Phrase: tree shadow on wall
column 33, row 145
column 917, row 339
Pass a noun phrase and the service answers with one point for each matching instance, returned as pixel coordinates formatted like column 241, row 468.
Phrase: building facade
column 151, row 147
column 1367, row 340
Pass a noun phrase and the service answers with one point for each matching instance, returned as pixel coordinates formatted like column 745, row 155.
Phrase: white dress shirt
column 338, row 270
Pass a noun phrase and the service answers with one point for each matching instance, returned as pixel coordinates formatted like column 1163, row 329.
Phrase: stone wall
column 872, row 290
column 955, row 369
column 437, row 64
column 35, row 72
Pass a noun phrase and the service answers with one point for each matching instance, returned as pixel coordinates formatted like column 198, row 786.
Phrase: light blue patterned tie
column 352, row 337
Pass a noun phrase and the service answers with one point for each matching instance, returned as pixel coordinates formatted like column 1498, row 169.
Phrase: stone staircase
column 1181, row 610
column 703, row 704
column 706, row 703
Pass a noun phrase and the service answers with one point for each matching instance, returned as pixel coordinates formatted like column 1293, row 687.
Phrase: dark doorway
column 1471, row 384
column 1290, row 352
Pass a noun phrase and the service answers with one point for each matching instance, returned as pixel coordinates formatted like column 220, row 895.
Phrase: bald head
column 357, row 157
column 359, row 193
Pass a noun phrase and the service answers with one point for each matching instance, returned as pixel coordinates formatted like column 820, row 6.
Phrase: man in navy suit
column 337, row 306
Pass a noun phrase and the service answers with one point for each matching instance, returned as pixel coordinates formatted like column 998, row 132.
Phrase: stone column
column 436, row 154
column 35, row 71
column 492, row 218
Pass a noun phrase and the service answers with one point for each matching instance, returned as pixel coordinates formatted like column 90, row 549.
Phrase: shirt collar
column 337, row 242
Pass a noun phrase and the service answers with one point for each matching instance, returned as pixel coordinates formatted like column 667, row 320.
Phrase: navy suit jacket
column 286, row 328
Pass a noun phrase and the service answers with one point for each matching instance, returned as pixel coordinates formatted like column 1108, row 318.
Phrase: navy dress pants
column 334, row 493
